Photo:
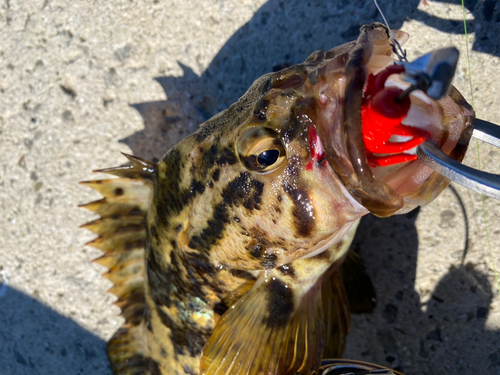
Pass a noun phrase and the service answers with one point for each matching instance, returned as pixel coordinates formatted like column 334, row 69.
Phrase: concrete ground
column 82, row 81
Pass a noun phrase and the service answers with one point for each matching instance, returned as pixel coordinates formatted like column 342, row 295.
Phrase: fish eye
column 268, row 157
column 260, row 149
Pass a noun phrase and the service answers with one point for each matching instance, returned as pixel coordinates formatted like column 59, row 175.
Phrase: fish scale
column 230, row 255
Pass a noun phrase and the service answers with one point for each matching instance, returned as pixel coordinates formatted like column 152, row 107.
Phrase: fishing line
column 396, row 47
column 478, row 152
column 383, row 17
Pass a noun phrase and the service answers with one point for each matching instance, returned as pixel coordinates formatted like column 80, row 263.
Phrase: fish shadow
column 486, row 24
column 445, row 332
column 35, row 339
column 281, row 34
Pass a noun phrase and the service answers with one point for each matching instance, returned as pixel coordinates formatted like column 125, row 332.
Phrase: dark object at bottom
column 351, row 367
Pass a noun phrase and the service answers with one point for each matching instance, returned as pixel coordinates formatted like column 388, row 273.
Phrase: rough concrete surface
column 82, row 81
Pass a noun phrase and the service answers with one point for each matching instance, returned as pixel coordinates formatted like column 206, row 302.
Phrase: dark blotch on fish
column 292, row 170
column 147, row 319
column 186, row 339
column 213, row 231
column 254, row 201
column 216, row 175
column 134, row 310
column 304, row 220
column 227, row 157
column 261, row 109
column 280, row 303
column 153, row 231
column 198, row 263
column 269, row 260
column 287, row 270
column 140, row 361
column 290, row 131
column 133, row 245
column 163, row 296
column 237, row 192
column 208, row 158
column 242, row 274
column 196, row 188
column 170, row 199
column 134, row 211
column 293, row 80
column 220, row 308
column 198, row 267
column 256, row 251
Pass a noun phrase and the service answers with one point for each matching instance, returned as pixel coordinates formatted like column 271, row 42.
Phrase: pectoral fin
column 271, row 330
column 337, row 315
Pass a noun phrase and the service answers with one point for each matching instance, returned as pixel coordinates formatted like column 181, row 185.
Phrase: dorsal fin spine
column 121, row 231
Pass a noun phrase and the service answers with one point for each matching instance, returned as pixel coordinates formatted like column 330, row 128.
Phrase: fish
column 230, row 255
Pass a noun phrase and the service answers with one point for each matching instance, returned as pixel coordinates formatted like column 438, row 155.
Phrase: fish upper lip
column 343, row 140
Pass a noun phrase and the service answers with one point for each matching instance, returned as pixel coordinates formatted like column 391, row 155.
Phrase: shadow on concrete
column 296, row 28
column 35, row 339
column 457, row 314
column 485, row 25
column 389, row 248
column 281, row 33
column 447, row 333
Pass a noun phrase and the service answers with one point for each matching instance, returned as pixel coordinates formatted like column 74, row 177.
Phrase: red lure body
column 382, row 112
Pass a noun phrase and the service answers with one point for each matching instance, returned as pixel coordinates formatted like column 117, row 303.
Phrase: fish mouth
column 397, row 188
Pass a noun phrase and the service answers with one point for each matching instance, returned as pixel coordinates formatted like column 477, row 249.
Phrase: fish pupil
column 268, row 157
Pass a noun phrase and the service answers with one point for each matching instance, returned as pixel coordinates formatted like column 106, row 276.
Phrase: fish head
column 282, row 174
column 261, row 192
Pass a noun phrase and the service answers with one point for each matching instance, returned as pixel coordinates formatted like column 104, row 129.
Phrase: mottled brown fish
column 226, row 254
